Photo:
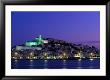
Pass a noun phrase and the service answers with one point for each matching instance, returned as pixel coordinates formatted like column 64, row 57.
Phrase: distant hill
column 90, row 43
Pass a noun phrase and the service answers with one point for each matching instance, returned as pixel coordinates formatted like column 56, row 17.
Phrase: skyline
column 67, row 26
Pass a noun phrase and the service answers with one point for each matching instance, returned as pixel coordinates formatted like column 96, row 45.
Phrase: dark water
column 55, row 64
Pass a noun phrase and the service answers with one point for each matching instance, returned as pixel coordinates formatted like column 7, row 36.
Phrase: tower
column 39, row 40
column 40, row 37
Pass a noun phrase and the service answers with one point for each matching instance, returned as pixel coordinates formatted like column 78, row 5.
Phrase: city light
column 91, row 59
column 42, row 48
column 45, row 60
column 16, row 53
column 79, row 59
column 16, row 60
column 31, row 60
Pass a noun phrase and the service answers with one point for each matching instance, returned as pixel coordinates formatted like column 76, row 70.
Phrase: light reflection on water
column 56, row 64
column 31, row 64
column 45, row 64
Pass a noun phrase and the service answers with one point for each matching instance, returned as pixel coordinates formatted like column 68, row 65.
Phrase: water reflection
column 16, row 63
column 79, row 64
column 55, row 64
column 45, row 64
column 31, row 64
column 64, row 64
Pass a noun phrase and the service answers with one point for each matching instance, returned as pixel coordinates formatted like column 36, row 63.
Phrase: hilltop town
column 50, row 48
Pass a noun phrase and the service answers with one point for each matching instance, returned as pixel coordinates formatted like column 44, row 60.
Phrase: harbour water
column 56, row 64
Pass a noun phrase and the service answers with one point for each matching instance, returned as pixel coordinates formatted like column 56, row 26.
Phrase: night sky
column 67, row 26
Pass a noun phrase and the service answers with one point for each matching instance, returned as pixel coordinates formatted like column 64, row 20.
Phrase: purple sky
column 68, row 26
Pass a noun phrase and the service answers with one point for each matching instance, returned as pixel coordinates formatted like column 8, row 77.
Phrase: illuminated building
column 38, row 41
column 48, row 48
column 26, row 47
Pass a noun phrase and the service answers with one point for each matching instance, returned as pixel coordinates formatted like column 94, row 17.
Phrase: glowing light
column 16, row 53
column 31, row 43
column 83, row 57
column 79, row 59
column 91, row 59
column 60, row 56
column 13, row 57
column 45, row 54
column 28, row 57
column 45, row 41
column 34, row 57
column 77, row 55
column 39, row 41
column 31, row 60
column 31, row 53
column 91, row 54
column 64, row 54
column 58, row 44
column 16, row 60
column 20, row 57
column 54, row 57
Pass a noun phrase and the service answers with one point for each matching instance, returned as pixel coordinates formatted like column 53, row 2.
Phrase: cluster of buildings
column 50, row 48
